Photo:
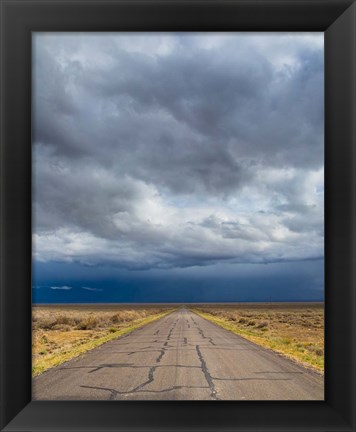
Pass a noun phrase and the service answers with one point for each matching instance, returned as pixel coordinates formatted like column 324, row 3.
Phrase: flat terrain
column 294, row 329
column 180, row 356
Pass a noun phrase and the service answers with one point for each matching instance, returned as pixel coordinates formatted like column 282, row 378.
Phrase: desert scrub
column 294, row 329
column 66, row 331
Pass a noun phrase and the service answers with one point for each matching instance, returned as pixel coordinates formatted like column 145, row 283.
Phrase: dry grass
column 61, row 332
column 293, row 329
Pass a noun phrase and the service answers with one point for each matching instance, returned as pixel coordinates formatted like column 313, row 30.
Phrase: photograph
column 178, row 216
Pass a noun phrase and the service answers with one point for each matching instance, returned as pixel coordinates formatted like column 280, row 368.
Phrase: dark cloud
column 302, row 281
column 177, row 150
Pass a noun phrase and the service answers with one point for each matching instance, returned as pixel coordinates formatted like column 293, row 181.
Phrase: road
column 179, row 357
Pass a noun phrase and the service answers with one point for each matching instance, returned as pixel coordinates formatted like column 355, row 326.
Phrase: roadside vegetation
column 292, row 329
column 62, row 332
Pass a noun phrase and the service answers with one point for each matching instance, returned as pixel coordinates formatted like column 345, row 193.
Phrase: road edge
column 287, row 356
column 83, row 349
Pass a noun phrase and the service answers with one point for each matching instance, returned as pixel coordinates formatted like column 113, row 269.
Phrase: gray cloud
column 173, row 150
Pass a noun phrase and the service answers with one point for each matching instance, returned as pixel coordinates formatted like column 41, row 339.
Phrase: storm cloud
column 164, row 151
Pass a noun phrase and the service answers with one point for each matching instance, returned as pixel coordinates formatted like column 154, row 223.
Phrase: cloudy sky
column 178, row 166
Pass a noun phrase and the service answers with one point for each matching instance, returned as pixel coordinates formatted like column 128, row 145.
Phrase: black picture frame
column 21, row 17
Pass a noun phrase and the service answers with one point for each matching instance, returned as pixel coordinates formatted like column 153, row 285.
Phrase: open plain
column 181, row 356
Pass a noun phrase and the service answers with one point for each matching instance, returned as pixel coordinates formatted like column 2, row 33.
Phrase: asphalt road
column 179, row 357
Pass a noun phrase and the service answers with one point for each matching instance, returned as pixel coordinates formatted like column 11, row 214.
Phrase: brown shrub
column 88, row 323
column 262, row 325
column 64, row 320
column 117, row 318
column 62, row 327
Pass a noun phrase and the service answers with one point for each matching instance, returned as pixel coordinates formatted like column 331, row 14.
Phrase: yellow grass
column 61, row 333
column 294, row 330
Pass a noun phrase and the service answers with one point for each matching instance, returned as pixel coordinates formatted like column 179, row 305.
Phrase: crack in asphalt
column 178, row 387
column 96, row 368
column 149, row 380
column 114, row 393
column 137, row 351
column 144, row 348
column 163, row 351
column 286, row 372
column 127, row 366
column 252, row 379
column 218, row 348
column 152, row 369
column 207, row 374
column 170, row 333
column 210, row 339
